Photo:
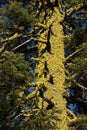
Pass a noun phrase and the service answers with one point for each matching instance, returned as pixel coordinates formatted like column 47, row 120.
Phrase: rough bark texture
column 50, row 68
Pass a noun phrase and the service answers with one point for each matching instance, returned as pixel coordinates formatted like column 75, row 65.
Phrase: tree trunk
column 50, row 68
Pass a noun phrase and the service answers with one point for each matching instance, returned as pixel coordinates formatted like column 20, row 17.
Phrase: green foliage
column 15, row 69
column 77, row 68
column 16, row 112
column 2, row 25
column 1, row 22
column 80, row 124
column 77, row 38
column 18, row 14
column 41, row 120
column 16, row 18
column 14, row 73
column 72, row 3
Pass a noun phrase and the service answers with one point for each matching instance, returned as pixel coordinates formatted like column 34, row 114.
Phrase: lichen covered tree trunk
column 50, row 68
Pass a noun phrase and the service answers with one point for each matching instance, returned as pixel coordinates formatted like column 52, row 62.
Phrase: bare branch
column 81, row 86
column 24, row 43
column 72, row 54
column 27, row 41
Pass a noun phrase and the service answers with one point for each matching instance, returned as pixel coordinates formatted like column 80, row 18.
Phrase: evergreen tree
column 56, row 71
column 50, row 69
column 14, row 73
column 16, row 19
column 17, row 110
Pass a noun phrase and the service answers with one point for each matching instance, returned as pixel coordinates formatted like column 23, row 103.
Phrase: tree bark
column 50, row 68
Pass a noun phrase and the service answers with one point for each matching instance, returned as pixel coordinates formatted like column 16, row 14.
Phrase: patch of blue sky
column 72, row 107
column 34, row 80
column 70, row 91
column 31, row 89
column 67, row 51
column 30, row 44
column 2, row 6
column 73, row 15
column 84, row 25
column 63, row 9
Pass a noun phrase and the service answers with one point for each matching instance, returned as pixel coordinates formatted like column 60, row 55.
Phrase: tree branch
column 24, row 43
column 16, row 35
column 34, row 93
column 72, row 54
column 72, row 116
column 73, row 9
column 81, row 86
column 78, row 119
column 75, row 99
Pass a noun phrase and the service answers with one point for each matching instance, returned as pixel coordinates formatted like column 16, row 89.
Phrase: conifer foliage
column 54, row 95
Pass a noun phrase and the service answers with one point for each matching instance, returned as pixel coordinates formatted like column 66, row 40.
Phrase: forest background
column 43, row 64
